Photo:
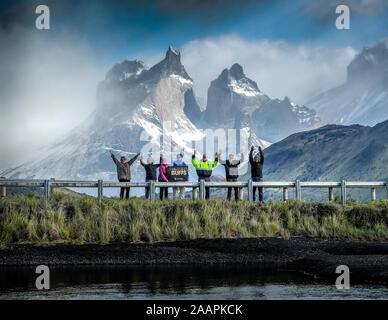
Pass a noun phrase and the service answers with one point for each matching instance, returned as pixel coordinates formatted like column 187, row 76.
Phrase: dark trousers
column 147, row 189
column 124, row 188
column 163, row 193
column 230, row 189
column 256, row 179
column 207, row 189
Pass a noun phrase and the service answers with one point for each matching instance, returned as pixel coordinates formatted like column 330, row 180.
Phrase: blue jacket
column 179, row 163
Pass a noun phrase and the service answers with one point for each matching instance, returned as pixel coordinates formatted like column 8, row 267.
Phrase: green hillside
column 331, row 153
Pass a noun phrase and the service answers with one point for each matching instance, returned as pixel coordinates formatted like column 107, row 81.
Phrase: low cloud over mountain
column 363, row 98
column 283, row 69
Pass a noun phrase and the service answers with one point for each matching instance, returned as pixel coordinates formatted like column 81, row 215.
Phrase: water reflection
column 174, row 282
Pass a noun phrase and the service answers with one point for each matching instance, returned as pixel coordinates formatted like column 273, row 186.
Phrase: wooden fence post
column 343, row 192
column 47, row 189
column 331, row 194
column 298, row 190
column 285, row 193
column 3, row 189
column 202, row 189
column 373, row 194
column 250, row 190
column 100, row 190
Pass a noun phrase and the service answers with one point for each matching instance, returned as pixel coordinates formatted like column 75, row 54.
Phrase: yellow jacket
column 204, row 168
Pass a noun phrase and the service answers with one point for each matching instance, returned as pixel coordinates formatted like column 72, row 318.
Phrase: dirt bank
column 368, row 262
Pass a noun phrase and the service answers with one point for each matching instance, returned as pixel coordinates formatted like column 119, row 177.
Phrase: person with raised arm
column 150, row 169
column 204, row 168
column 257, row 161
column 124, row 172
column 231, row 172
column 179, row 191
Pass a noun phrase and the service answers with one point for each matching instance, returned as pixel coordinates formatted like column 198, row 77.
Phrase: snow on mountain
column 133, row 104
column 125, row 70
column 137, row 105
column 277, row 119
column 235, row 101
column 363, row 99
column 232, row 94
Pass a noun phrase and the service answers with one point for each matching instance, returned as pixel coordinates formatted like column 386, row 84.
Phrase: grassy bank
column 81, row 220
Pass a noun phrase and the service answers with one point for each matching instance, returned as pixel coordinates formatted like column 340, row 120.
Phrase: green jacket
column 204, row 168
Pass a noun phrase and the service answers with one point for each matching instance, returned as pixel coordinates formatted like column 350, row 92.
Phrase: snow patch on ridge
column 182, row 80
column 127, row 75
column 243, row 89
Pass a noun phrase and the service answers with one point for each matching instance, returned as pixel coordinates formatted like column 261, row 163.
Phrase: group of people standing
column 151, row 168
column 204, row 169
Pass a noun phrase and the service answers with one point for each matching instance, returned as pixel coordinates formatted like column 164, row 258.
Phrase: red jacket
column 163, row 173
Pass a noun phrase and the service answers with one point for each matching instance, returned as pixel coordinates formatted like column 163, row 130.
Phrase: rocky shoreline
column 367, row 261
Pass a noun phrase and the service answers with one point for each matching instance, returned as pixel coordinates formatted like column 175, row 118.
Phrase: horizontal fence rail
column 198, row 188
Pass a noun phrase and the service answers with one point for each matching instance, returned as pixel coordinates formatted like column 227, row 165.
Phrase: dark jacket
column 231, row 168
column 256, row 166
column 124, row 169
column 150, row 169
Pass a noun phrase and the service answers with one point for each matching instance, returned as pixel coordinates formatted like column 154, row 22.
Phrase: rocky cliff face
column 277, row 119
column 232, row 94
column 133, row 103
column 235, row 101
column 363, row 99
column 136, row 105
column 370, row 65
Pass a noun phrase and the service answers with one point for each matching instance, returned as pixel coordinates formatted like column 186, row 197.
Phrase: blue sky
column 128, row 33
column 130, row 28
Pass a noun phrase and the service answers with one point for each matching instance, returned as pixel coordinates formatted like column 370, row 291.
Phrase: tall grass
column 85, row 220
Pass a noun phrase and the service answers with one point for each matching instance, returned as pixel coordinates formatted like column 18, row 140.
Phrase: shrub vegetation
column 64, row 218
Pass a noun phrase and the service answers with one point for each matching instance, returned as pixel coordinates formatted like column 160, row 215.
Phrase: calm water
column 176, row 282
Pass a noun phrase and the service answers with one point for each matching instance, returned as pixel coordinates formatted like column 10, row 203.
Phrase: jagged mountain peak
column 170, row 65
column 287, row 100
column 135, row 107
column 237, row 72
column 173, row 52
column 377, row 54
column 232, row 97
column 237, row 81
column 173, row 57
column 371, row 62
column 363, row 98
column 126, row 69
column 277, row 119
